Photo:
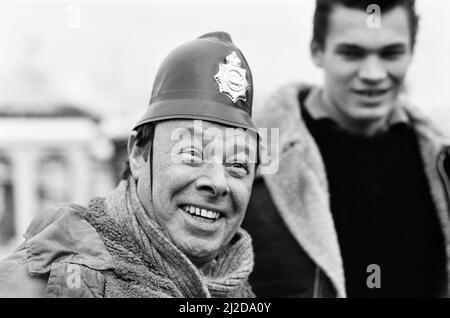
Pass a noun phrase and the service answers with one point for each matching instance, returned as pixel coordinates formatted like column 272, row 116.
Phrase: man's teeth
column 201, row 212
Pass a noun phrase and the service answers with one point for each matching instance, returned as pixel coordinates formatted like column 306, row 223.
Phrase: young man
column 171, row 228
column 359, row 206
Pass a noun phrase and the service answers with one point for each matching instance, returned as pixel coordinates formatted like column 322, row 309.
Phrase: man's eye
column 191, row 155
column 392, row 55
column 240, row 167
column 194, row 152
column 351, row 54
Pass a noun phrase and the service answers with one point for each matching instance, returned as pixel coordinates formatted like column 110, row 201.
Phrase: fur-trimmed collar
column 300, row 188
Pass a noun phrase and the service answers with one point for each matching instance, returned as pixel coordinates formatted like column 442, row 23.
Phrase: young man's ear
column 316, row 53
column 136, row 158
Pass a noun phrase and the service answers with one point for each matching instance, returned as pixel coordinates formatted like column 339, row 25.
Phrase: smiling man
column 171, row 228
column 199, row 197
column 359, row 206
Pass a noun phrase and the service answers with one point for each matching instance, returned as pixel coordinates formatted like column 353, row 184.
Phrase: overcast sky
column 103, row 55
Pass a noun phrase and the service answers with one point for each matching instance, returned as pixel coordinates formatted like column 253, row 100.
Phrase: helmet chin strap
column 150, row 159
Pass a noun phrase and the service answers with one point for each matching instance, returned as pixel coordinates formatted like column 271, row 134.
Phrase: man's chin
column 199, row 251
column 370, row 112
column 366, row 121
column 202, row 259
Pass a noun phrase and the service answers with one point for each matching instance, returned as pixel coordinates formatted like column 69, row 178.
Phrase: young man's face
column 201, row 184
column 364, row 67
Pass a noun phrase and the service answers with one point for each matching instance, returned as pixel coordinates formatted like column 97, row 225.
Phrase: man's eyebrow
column 394, row 47
column 190, row 129
column 241, row 148
column 354, row 47
column 347, row 46
column 193, row 131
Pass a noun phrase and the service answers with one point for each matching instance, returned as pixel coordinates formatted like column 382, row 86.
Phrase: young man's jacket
column 296, row 198
column 73, row 251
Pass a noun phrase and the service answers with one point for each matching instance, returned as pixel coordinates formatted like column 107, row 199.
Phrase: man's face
column 364, row 67
column 202, row 182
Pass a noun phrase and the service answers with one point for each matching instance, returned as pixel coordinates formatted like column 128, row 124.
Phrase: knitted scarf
column 148, row 264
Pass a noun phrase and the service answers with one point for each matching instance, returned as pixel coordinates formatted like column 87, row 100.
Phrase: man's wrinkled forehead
column 201, row 131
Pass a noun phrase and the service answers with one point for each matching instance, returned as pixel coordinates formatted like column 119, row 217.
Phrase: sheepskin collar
column 300, row 188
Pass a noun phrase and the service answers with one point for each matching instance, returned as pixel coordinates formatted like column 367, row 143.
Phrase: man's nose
column 213, row 182
column 372, row 70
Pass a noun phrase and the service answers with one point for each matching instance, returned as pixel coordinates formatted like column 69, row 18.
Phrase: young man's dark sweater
column 382, row 210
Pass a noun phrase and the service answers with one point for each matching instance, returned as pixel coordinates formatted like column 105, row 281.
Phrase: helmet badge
column 231, row 78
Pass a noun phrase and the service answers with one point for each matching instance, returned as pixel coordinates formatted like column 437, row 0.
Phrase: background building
column 102, row 56
column 47, row 158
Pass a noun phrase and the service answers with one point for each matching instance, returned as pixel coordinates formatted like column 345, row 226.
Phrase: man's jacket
column 59, row 245
column 297, row 200
column 72, row 251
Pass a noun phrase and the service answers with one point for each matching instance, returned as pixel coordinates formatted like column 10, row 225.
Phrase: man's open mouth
column 201, row 214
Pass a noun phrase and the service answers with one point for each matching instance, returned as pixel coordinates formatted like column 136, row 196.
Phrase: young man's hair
column 144, row 139
column 324, row 8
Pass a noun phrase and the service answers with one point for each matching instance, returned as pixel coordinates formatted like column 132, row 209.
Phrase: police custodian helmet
column 207, row 78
